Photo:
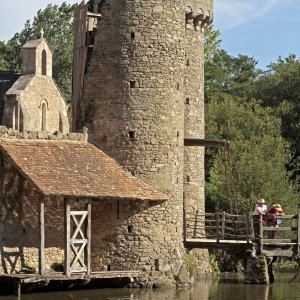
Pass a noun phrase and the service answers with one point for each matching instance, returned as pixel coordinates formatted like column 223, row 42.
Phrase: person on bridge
column 260, row 207
column 272, row 217
column 275, row 211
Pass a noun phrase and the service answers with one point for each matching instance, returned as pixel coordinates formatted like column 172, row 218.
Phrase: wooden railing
column 218, row 226
column 224, row 226
column 285, row 234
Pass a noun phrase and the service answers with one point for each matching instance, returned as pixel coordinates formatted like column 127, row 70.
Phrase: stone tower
column 142, row 95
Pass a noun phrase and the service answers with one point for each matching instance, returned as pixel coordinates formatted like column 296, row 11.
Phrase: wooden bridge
column 243, row 232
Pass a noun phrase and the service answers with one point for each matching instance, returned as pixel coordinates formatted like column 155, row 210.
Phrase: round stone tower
column 199, row 14
column 143, row 94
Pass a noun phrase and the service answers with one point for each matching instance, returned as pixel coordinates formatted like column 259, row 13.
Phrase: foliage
column 191, row 263
column 254, row 111
column 254, row 166
column 27, row 269
column 279, row 87
column 214, row 263
column 56, row 21
column 58, row 266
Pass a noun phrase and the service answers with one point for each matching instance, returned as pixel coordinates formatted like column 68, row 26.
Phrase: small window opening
column 44, row 109
column 156, row 264
column 187, row 101
column 61, row 129
column 188, row 179
column 129, row 228
column 188, row 62
column 131, row 134
column 177, row 180
column 44, row 62
column 178, row 86
column 178, row 134
column 132, row 35
column 108, row 267
column 132, row 84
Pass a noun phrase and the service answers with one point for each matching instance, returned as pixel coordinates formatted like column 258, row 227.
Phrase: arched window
column 18, row 120
column 44, row 62
column 44, row 118
column 61, row 129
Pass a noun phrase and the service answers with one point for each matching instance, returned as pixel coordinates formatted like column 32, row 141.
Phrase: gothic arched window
column 44, row 116
column 44, row 62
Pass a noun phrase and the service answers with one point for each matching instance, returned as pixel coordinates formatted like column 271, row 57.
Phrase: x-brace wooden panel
column 78, row 240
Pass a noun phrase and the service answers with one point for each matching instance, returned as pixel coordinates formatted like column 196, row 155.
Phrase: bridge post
column 217, row 227
column 257, row 269
column 247, row 228
column 223, row 225
column 298, row 234
column 260, row 235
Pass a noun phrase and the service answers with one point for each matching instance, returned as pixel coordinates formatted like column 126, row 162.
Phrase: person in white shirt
column 260, row 207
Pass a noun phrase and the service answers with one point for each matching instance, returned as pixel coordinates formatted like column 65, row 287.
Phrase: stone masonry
column 143, row 94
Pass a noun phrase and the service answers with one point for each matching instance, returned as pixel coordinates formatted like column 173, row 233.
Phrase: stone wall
column 8, row 133
column 19, row 230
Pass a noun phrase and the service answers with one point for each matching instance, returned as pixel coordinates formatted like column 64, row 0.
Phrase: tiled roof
column 78, row 169
column 7, row 79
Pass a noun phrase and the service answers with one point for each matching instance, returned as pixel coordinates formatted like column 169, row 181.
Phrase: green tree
column 254, row 165
column 56, row 22
column 279, row 87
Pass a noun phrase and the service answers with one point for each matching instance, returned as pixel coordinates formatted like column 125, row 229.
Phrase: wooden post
column 17, row 288
column 260, row 235
column 67, row 237
column 42, row 237
column 223, row 225
column 298, row 234
column 247, row 228
column 217, row 227
column 88, row 234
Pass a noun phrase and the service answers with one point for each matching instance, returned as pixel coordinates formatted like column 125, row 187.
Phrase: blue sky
column 264, row 29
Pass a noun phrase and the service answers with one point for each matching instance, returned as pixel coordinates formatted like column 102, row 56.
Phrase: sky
column 263, row 29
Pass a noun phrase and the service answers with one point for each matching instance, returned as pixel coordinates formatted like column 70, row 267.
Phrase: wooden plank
column 298, row 234
column 278, row 252
column 223, row 225
column 280, row 228
column 206, row 143
column 260, row 235
column 278, row 241
column 218, row 227
column 67, row 237
column 78, row 213
column 42, row 237
column 89, row 237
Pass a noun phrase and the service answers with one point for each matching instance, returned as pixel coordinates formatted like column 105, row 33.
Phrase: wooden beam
column 206, row 143
column 67, row 237
column 89, row 237
column 298, row 234
column 42, row 237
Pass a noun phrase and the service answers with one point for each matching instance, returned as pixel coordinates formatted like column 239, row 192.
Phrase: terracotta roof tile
column 78, row 169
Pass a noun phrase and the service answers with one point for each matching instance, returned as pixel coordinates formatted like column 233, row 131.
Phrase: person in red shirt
column 272, row 217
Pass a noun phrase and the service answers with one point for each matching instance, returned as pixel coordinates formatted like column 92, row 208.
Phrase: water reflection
column 228, row 287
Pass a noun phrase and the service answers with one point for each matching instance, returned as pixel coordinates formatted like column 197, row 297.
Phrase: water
column 228, row 287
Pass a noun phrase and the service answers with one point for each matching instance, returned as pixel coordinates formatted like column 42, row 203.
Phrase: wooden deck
column 244, row 232
column 20, row 281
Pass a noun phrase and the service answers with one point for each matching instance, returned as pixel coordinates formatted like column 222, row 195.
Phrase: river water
column 228, row 287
